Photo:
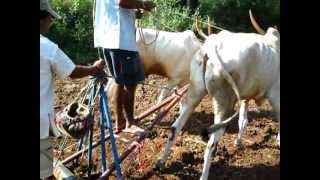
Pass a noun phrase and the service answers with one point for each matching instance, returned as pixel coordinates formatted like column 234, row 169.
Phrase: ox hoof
column 159, row 166
column 205, row 135
column 238, row 144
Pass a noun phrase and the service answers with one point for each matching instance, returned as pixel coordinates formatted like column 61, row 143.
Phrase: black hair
column 44, row 14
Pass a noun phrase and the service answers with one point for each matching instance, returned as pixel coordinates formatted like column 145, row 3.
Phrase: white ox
column 167, row 54
column 246, row 64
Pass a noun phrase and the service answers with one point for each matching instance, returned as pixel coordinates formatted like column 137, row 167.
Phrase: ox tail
column 227, row 76
column 233, row 85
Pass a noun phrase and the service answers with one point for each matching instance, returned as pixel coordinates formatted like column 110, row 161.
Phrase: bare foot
column 116, row 130
column 133, row 129
column 120, row 126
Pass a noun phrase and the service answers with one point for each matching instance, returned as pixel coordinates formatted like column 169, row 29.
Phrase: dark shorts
column 125, row 66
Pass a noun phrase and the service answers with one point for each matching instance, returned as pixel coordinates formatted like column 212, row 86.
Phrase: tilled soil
column 259, row 159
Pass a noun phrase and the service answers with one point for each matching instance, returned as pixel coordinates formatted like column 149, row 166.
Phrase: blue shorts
column 125, row 66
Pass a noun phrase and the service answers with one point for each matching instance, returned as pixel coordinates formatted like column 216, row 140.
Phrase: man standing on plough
column 115, row 35
column 54, row 63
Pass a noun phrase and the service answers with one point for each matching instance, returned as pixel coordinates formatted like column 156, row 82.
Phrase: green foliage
column 234, row 14
column 74, row 31
column 168, row 16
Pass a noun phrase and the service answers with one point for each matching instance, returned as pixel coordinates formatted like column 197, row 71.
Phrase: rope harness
column 156, row 17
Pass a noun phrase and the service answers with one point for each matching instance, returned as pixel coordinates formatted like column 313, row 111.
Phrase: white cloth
column 114, row 27
column 53, row 63
column 46, row 157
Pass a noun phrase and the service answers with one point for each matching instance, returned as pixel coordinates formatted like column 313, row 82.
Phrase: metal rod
column 91, row 118
column 143, row 135
column 106, row 112
column 78, row 154
column 103, row 145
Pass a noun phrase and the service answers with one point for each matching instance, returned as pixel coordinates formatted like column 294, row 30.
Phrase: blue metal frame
column 102, row 139
column 109, row 125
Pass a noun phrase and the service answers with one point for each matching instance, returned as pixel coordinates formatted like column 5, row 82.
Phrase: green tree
column 74, row 31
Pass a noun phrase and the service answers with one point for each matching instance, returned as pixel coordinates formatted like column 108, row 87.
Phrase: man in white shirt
column 115, row 34
column 54, row 63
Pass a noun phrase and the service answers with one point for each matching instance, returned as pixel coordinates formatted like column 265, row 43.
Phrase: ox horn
column 255, row 24
column 198, row 28
column 210, row 29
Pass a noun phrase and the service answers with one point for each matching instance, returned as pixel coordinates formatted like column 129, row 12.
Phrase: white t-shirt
column 53, row 64
column 114, row 27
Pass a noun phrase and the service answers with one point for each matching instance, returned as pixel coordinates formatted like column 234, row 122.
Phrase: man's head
column 46, row 15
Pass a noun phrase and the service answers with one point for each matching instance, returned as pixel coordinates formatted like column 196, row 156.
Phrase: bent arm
column 82, row 71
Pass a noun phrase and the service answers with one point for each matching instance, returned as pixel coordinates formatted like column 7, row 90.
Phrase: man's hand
column 99, row 64
column 98, row 67
column 139, row 13
column 148, row 5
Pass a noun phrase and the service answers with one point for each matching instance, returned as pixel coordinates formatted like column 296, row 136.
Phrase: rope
column 183, row 16
column 217, row 27
column 61, row 147
column 81, row 92
column 157, row 86
column 142, row 36
column 150, row 85
column 90, row 122
column 156, row 12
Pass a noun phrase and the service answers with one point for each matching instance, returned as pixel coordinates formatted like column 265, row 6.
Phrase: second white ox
column 169, row 54
column 246, row 63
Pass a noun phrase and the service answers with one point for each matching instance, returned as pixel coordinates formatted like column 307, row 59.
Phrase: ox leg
column 243, row 120
column 223, row 103
column 274, row 97
column 209, row 151
column 165, row 92
column 276, row 106
column 194, row 95
column 193, row 98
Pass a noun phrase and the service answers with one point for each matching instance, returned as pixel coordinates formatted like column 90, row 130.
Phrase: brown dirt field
column 259, row 159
